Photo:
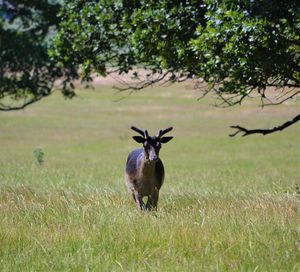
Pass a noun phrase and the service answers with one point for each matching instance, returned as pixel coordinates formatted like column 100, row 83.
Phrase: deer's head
column 152, row 144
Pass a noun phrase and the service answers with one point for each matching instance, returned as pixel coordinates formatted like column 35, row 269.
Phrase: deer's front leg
column 152, row 200
column 139, row 200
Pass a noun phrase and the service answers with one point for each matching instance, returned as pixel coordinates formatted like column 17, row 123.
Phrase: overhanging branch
column 22, row 105
column 264, row 131
column 19, row 107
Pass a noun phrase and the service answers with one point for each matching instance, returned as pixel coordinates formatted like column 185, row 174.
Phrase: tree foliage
column 27, row 74
column 234, row 46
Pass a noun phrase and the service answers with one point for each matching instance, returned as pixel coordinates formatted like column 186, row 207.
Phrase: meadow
column 227, row 204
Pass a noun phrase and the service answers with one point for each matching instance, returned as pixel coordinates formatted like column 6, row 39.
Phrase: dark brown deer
column 144, row 169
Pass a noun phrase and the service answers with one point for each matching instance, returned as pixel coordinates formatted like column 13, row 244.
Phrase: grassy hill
column 227, row 204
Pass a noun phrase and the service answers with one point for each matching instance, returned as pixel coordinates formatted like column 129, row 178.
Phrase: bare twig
column 264, row 131
column 283, row 100
column 123, row 97
column 142, row 84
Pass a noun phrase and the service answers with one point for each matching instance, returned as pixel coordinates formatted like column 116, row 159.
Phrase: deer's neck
column 148, row 167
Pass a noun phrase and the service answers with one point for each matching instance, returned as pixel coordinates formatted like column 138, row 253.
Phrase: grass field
column 227, row 204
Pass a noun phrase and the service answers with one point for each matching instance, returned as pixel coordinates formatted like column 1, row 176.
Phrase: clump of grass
column 38, row 154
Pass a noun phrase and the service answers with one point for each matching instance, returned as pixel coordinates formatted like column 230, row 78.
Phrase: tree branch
column 22, row 106
column 264, row 131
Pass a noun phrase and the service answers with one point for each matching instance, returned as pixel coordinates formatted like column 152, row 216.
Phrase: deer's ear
column 138, row 139
column 166, row 139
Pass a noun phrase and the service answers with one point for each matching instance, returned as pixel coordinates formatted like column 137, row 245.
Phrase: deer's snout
column 153, row 157
column 152, row 153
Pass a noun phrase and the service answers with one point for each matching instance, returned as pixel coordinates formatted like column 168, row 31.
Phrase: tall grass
column 226, row 205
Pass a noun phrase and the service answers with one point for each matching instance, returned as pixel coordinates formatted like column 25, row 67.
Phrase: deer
column 144, row 170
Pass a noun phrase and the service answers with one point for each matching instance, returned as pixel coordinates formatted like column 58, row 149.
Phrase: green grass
column 227, row 204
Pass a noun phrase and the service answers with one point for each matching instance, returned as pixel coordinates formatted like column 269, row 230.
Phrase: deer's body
column 144, row 178
column 145, row 171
